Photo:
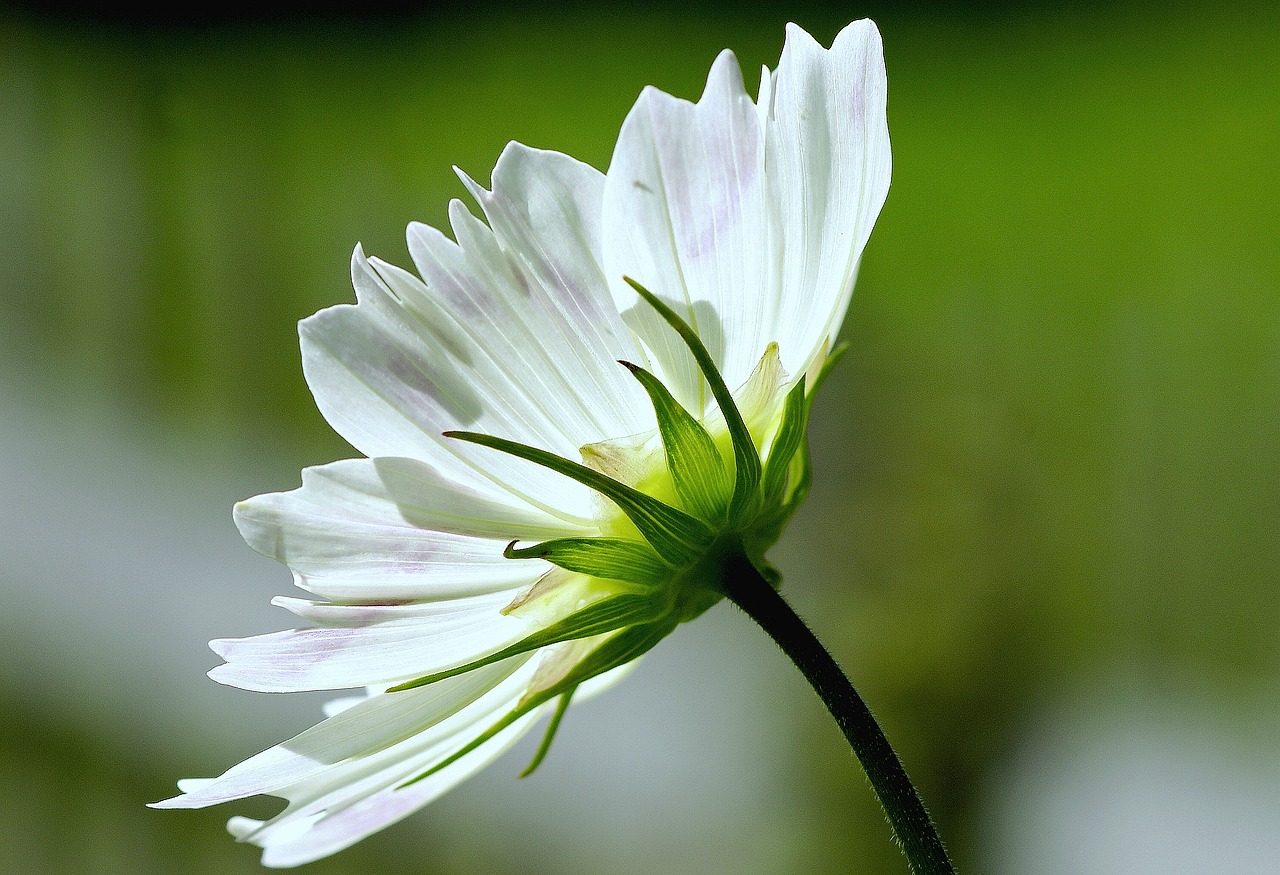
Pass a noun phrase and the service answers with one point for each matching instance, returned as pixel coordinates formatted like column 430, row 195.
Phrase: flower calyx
column 732, row 506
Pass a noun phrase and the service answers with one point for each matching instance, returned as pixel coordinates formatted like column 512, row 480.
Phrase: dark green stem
column 746, row 588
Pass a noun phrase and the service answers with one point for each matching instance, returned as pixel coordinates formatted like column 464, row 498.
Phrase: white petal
column 829, row 166
column 686, row 215
column 530, row 302
column 315, row 836
column 382, row 731
column 339, row 804
column 375, row 644
column 393, row 373
column 381, row 529
column 518, row 346
column 545, row 212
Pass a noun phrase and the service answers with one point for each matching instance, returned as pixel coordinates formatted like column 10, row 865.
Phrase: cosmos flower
column 714, row 261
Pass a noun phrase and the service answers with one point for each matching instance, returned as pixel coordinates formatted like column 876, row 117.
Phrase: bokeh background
column 1043, row 538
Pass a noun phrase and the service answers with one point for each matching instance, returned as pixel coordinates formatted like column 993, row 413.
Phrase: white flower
column 748, row 219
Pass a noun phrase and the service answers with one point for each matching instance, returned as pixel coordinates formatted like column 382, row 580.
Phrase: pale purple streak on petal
column 399, row 520
column 473, row 283
column 400, row 643
column 391, row 385
column 545, row 212
column 369, row 561
column 522, row 309
column 687, row 215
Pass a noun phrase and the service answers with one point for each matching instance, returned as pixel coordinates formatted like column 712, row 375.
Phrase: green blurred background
column 1043, row 537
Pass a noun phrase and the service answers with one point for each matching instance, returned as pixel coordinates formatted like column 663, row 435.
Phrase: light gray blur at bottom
column 1136, row 785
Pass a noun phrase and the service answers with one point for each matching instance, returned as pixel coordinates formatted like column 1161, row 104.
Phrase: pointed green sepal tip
column 676, row 536
column 747, row 468
column 696, row 468
column 790, row 435
column 552, row 726
column 608, row 558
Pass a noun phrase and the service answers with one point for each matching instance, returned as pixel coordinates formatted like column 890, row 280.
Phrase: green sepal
column 678, row 537
column 788, row 474
column 692, row 457
column 597, row 618
column 790, row 435
column 745, row 455
column 550, row 734
column 627, row 645
column 608, row 558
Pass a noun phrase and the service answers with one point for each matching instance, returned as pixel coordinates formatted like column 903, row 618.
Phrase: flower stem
column 745, row 587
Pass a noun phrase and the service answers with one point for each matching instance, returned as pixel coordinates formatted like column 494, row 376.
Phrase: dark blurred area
column 1043, row 537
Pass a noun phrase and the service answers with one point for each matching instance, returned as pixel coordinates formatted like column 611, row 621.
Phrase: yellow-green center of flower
column 643, row 462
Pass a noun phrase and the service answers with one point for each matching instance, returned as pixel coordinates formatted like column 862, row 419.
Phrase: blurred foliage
column 1048, row 465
